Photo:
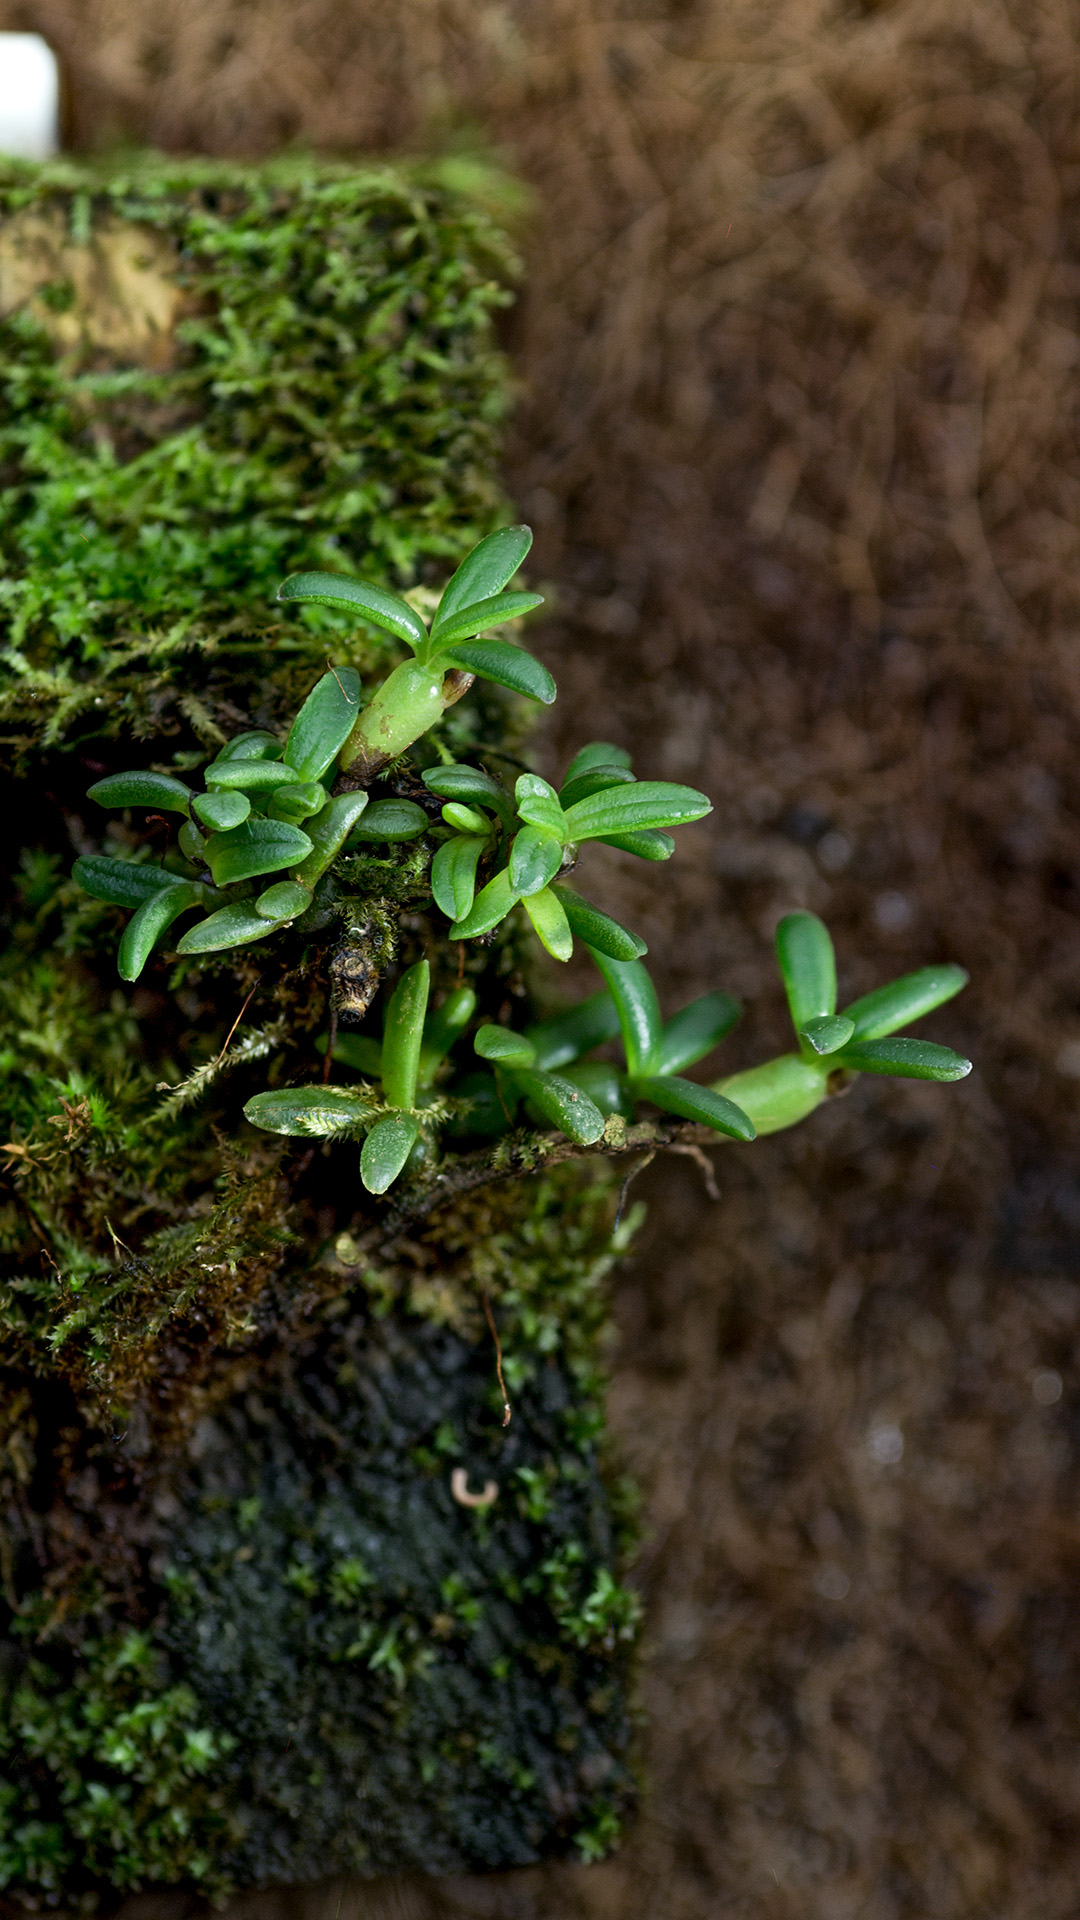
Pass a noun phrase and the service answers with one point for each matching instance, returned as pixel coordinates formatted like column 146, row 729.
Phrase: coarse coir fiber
column 798, row 432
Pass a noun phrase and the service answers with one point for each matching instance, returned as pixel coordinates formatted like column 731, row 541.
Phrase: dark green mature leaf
column 220, row 811
column 386, row 1150
column 605, row 1086
column 507, row 665
column 491, row 905
column 904, row 1000
column 593, row 780
column 535, row 858
column 647, row 803
column 828, row 1033
column 232, row 926
column 250, row 776
column 469, row 783
column 909, row 1059
column 690, row 1102
column 392, row 820
column 598, row 753
column 442, row 1028
column 509, row 1049
column 480, row 615
column 638, row 1009
column 157, row 790
column 453, row 875
column 598, row 930
column 696, row 1031
column 121, row 882
column 566, row 1035
column 403, row 1035
column 550, row 924
column 191, row 843
column 324, row 722
column 308, row 1112
column 340, row 590
column 328, row 832
column 259, row 846
column 146, row 927
column 808, row 967
column 484, row 572
column 647, row 846
column 250, row 746
column 283, row 901
column 562, row 1104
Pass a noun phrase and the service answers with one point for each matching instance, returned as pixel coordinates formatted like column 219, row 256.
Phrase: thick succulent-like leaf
column 146, row 927
column 535, row 858
column 807, row 963
column 638, row 1009
column 479, row 616
column 561, row 1104
column 593, row 780
column 507, row 665
column 232, row 926
column 828, row 1033
column 298, row 803
column 696, row 1031
column 688, row 1101
column 598, row 753
column 538, row 805
column 250, row 776
column 565, row 1036
column 324, row 723
column 453, row 875
column 604, row 1084
column 192, row 843
column 259, row 846
column 902, row 1001
column 465, row 819
column 372, row 603
column 598, row 930
column 355, row 1050
column 485, row 571
column 403, row 1035
column 250, row 746
column 469, row 783
column 442, row 1028
column 780, row 1092
column 648, row 845
column 550, row 924
column 643, row 804
column 386, row 1150
column 221, row 811
column 121, row 882
column 509, row 1049
column 157, row 790
column 909, row 1059
column 491, row 905
column 309, row 1112
column 283, row 901
column 328, row 832
column 392, row 820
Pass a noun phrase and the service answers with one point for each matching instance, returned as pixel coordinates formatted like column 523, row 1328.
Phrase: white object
column 29, row 96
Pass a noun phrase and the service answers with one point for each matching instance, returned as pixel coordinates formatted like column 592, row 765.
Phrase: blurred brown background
column 798, row 356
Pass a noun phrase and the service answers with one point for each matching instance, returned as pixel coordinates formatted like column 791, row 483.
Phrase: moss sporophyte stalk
column 286, row 1136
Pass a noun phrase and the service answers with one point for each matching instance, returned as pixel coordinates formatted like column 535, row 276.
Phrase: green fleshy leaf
column 403, row 1035
column 220, row 811
column 902, row 1001
column 324, row 723
column 386, row 1150
column 310, row 1112
column 232, row 926
column 696, row 1031
column 828, row 1033
column 598, row 930
column 509, row 1049
column 491, row 905
column 250, row 776
column 565, row 1036
column 469, row 783
column 648, row 845
column 480, row 616
column 259, row 846
column 688, row 1101
column 372, row 603
column 284, row 901
column 192, row 843
column 146, row 927
column 538, row 805
column 392, row 820
column 250, row 746
column 593, row 780
column 908, row 1059
column 355, row 1050
column 484, row 572
column 598, row 753
column 604, row 1084
column 157, row 790
column 550, row 924
column 638, row 1009
column 442, row 1028
column 630, row 809
column 535, row 858
column 808, row 967
column 561, row 1104
column 465, row 819
column 299, row 803
column 453, row 875
column 780, row 1092
column 328, row 832
column 121, row 882
column 507, row 665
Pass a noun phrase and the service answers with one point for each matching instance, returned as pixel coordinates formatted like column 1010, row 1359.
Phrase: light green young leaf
column 780, row 1092
column 469, row 783
column 491, row 905
column 298, row 803
column 508, row 1049
column 453, row 875
column 157, row 790
column 828, row 1033
column 403, row 1035
column 535, row 858
column 485, row 571
column 808, row 967
column 372, row 603
column 538, row 805
column 548, row 916
column 386, row 1150
column 324, row 723
column 465, row 819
